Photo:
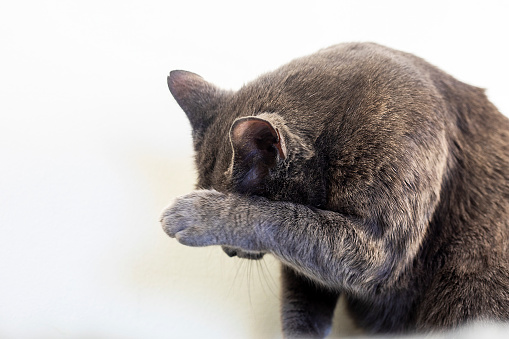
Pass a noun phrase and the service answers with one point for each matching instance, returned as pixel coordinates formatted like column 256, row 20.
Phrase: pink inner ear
column 255, row 133
column 243, row 129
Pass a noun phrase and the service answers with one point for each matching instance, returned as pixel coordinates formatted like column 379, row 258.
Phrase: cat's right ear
column 197, row 97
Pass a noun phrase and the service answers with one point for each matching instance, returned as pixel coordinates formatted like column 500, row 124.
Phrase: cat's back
column 398, row 101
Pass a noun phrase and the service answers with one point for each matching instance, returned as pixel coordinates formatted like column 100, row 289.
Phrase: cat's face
column 243, row 145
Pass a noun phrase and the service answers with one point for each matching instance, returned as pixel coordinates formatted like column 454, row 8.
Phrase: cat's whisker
column 239, row 267
column 261, row 274
column 268, row 278
column 249, row 282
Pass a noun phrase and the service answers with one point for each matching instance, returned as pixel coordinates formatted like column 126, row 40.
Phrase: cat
column 367, row 172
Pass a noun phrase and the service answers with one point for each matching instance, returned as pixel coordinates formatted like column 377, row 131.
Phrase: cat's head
column 241, row 144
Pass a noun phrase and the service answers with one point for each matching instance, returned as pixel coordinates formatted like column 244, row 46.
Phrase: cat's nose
column 230, row 251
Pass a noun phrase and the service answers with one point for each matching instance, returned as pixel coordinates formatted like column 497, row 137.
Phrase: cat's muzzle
column 232, row 252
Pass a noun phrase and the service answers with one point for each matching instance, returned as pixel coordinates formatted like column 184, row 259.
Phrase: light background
column 93, row 147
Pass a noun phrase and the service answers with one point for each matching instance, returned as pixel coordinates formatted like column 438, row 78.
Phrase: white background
column 93, row 147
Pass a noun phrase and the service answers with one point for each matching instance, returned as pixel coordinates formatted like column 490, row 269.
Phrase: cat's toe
column 173, row 222
column 195, row 237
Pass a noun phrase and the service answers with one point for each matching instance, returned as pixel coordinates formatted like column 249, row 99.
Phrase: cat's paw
column 193, row 219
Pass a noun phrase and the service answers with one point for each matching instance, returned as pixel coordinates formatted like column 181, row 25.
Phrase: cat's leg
column 337, row 250
column 306, row 308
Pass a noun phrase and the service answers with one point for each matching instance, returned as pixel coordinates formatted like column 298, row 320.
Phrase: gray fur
column 365, row 171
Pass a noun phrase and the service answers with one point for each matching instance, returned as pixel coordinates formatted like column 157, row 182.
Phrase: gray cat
column 367, row 172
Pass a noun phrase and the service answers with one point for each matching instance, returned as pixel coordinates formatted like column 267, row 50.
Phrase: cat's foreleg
column 306, row 308
column 337, row 250
column 208, row 217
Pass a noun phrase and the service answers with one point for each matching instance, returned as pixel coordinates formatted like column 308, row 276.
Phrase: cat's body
column 365, row 171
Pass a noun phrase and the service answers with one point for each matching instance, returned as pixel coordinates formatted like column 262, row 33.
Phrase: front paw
column 193, row 219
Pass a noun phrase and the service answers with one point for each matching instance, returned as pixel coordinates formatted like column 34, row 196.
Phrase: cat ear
column 197, row 97
column 257, row 145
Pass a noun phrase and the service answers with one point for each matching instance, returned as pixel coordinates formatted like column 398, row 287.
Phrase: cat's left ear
column 197, row 97
column 257, row 146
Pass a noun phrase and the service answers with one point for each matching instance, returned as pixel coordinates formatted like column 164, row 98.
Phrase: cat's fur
column 366, row 171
